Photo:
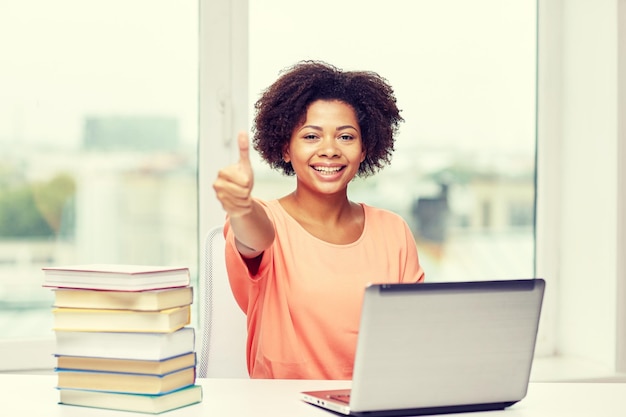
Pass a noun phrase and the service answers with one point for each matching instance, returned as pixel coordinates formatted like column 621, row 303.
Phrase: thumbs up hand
column 233, row 186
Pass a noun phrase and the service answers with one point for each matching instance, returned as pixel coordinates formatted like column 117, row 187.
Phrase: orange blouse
column 303, row 306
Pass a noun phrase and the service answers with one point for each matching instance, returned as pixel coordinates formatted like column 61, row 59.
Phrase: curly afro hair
column 283, row 106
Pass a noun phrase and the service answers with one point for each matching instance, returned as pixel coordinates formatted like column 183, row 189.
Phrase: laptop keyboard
column 344, row 398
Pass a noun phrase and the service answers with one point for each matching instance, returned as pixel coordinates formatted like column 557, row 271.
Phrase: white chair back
column 223, row 333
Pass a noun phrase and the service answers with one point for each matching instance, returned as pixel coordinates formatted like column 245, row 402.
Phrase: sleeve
column 239, row 275
column 413, row 271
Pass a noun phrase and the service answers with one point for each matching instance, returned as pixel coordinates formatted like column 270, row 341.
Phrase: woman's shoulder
column 378, row 213
column 270, row 206
column 275, row 211
column 381, row 221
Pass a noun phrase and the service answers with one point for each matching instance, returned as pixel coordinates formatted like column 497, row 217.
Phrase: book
column 117, row 277
column 126, row 382
column 150, row 404
column 149, row 300
column 97, row 320
column 118, row 345
column 134, row 366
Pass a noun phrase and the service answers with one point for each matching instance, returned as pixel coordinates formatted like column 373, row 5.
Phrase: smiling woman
column 298, row 263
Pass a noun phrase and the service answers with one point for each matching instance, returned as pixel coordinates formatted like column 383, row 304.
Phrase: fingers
column 233, row 190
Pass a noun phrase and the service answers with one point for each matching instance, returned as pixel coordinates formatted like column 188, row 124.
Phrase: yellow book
column 134, row 366
column 152, row 300
column 126, row 383
column 97, row 320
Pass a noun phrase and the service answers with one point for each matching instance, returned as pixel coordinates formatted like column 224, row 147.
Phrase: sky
column 63, row 60
column 460, row 69
column 463, row 71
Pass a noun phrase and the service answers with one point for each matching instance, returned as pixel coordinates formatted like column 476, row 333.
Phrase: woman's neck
column 332, row 218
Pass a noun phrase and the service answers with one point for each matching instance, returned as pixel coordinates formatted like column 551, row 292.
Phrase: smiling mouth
column 328, row 170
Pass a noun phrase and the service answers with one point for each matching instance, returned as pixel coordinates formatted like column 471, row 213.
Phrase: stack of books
column 122, row 337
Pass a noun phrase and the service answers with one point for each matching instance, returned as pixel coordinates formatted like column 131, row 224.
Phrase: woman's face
column 326, row 150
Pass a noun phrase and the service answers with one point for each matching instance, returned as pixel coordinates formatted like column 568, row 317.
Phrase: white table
column 35, row 395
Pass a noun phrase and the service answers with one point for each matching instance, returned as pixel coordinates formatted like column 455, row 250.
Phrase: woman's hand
column 253, row 230
column 234, row 183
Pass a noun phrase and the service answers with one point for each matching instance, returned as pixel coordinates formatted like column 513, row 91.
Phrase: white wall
column 588, row 232
column 578, row 174
column 621, row 193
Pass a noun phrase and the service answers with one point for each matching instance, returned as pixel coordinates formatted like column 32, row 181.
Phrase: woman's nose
column 328, row 147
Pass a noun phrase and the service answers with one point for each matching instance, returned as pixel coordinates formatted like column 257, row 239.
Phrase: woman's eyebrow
column 346, row 127
column 336, row 129
column 311, row 127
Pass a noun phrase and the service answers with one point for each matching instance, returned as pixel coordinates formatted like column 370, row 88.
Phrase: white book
column 146, row 346
column 116, row 277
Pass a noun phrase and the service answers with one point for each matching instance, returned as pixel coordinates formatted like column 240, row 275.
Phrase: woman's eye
column 310, row 137
column 346, row 137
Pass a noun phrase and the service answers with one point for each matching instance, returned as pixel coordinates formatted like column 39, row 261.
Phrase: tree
column 35, row 210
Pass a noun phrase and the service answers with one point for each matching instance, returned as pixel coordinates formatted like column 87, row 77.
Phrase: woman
column 298, row 265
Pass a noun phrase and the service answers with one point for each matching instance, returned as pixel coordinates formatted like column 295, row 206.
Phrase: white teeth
column 327, row 170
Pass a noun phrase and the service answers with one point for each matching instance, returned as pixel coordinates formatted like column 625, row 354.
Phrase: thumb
column 244, row 148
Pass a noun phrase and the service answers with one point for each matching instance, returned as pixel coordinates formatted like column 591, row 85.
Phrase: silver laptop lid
column 442, row 344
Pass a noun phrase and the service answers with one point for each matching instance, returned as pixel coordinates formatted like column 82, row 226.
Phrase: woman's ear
column 286, row 156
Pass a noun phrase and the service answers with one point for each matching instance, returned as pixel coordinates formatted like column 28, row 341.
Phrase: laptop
column 437, row 348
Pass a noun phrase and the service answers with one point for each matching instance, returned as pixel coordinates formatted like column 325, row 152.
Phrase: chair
column 223, row 330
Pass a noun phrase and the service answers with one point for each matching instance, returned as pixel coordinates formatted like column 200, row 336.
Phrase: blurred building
column 139, row 133
column 135, row 201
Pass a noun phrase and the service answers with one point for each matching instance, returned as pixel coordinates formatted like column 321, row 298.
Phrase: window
column 99, row 147
column 64, row 63
column 465, row 76
column 464, row 73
